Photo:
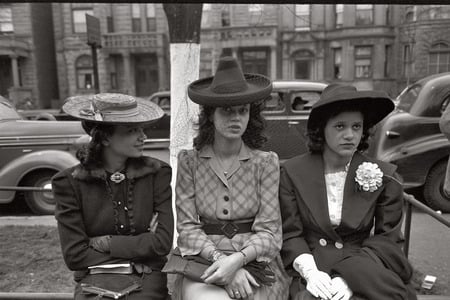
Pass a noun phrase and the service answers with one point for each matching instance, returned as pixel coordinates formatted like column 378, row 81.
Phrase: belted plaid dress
column 248, row 192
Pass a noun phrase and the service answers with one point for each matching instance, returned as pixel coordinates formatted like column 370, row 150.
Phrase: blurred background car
column 410, row 138
column 31, row 152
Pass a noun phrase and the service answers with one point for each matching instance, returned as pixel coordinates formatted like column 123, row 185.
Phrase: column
column 15, row 71
column 234, row 52
column 162, row 71
column 127, row 70
column 273, row 63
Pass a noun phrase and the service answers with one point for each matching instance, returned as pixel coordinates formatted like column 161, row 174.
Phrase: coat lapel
column 356, row 203
column 308, row 176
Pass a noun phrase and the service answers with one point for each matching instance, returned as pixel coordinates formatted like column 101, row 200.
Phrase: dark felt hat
column 112, row 108
column 374, row 105
column 229, row 86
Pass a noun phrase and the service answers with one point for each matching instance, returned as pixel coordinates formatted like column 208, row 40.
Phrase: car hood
column 24, row 128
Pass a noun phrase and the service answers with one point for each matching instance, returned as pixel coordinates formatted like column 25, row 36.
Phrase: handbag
column 110, row 285
column 193, row 267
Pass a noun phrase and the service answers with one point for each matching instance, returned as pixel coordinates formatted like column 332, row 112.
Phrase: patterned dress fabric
column 247, row 192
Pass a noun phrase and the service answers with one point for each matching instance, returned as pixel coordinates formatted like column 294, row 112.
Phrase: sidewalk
column 28, row 221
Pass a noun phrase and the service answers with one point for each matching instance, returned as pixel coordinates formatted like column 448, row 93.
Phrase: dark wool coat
column 307, row 227
column 86, row 207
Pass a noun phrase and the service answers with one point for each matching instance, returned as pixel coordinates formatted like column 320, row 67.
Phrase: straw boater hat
column 229, row 86
column 374, row 105
column 112, row 108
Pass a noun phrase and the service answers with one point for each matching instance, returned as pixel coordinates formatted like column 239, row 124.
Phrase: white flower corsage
column 369, row 177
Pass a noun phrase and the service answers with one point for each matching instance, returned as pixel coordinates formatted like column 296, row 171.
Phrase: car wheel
column 433, row 189
column 40, row 203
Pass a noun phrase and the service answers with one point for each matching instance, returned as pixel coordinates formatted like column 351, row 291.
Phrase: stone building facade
column 27, row 61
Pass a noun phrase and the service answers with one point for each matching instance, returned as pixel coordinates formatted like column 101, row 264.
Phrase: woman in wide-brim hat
column 115, row 206
column 226, row 193
column 332, row 197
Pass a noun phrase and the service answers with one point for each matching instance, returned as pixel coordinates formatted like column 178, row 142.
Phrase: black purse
column 115, row 286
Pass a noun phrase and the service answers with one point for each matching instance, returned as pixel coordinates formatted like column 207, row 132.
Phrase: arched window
column 84, row 72
column 302, row 64
column 439, row 58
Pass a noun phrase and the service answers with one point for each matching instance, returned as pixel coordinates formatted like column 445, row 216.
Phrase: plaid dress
column 248, row 192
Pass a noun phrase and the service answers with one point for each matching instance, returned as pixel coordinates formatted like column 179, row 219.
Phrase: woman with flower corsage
column 342, row 210
column 114, row 209
column 228, row 214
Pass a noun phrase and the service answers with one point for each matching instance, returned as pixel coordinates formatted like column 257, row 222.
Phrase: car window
column 164, row 102
column 408, row 97
column 7, row 112
column 274, row 103
column 303, row 101
column 445, row 104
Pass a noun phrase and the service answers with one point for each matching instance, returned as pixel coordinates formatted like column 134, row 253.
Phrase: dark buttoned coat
column 306, row 221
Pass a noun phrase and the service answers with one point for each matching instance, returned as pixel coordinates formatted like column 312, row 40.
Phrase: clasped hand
column 320, row 284
column 241, row 286
column 223, row 270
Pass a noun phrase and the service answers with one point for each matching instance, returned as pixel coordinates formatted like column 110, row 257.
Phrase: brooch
column 369, row 177
column 117, row 177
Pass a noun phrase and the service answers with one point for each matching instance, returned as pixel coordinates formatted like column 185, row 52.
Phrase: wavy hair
column 253, row 136
column 90, row 155
column 315, row 133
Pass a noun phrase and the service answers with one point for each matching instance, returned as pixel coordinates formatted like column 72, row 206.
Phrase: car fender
column 427, row 150
column 13, row 172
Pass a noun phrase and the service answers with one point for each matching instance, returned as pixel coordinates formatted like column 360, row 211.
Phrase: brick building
column 134, row 54
column 27, row 62
column 371, row 46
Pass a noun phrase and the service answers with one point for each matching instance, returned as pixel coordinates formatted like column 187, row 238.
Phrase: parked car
column 31, row 152
column 410, row 137
column 286, row 113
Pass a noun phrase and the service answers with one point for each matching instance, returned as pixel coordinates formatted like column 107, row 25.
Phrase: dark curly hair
column 253, row 136
column 315, row 132
column 90, row 155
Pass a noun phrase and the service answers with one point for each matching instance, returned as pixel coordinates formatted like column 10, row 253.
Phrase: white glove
column 343, row 292
column 319, row 283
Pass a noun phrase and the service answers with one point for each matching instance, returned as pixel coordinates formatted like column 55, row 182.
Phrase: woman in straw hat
column 332, row 197
column 227, row 192
column 114, row 208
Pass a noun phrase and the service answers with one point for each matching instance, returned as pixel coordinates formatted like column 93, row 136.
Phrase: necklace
column 222, row 164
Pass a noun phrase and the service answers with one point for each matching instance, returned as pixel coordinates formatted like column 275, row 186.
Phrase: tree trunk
column 184, row 27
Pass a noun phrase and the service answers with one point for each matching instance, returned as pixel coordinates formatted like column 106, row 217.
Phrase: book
column 124, row 268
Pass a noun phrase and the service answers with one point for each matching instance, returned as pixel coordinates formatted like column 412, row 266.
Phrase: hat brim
column 259, row 87
column 376, row 106
column 148, row 112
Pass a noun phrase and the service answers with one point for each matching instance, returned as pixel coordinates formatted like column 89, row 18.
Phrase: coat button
column 225, row 211
column 323, row 242
column 226, row 198
column 338, row 245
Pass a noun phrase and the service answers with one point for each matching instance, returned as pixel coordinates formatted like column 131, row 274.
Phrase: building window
column 363, row 62
column 406, row 59
column 151, row 17
column 302, row 17
column 136, row 17
column 387, row 60
column 439, row 58
column 206, row 67
column 255, row 8
column 6, row 24
column 339, row 15
column 206, row 15
column 225, row 16
column 84, row 72
column 411, row 14
column 337, row 71
column 255, row 61
column 79, row 19
column 439, row 12
column 302, row 60
column 364, row 14
column 109, row 20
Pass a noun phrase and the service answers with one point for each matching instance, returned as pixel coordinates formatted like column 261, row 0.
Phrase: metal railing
column 411, row 201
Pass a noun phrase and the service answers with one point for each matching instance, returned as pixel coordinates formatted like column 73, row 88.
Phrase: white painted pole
column 184, row 68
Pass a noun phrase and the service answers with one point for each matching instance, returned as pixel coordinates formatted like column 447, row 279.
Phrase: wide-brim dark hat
column 229, row 86
column 112, row 108
column 374, row 105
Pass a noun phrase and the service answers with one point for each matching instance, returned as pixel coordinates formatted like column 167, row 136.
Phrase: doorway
column 146, row 74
